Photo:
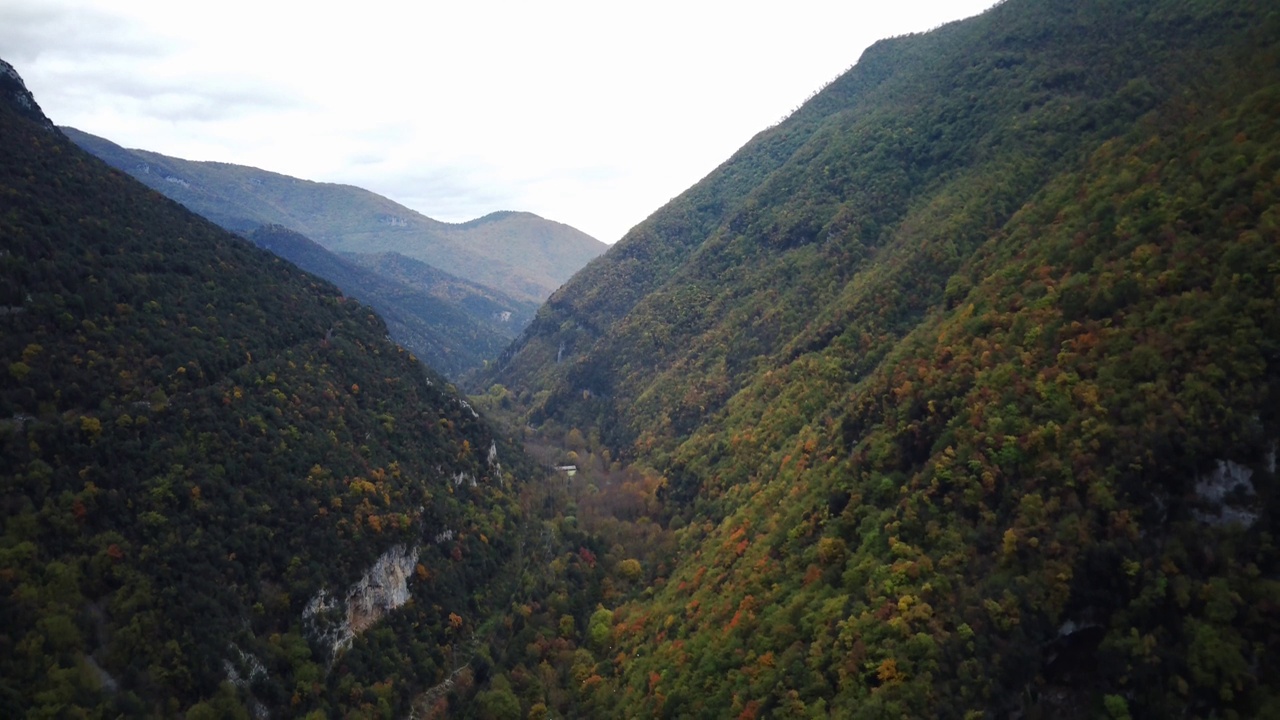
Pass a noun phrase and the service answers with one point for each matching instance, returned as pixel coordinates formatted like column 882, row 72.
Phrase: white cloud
column 588, row 113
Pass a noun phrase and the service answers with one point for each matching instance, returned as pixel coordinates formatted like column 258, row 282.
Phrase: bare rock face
column 336, row 620
column 1228, row 495
column 14, row 91
column 243, row 669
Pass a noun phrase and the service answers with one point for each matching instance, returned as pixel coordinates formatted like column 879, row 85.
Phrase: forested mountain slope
column 453, row 335
column 964, row 382
column 454, row 324
column 509, row 315
column 222, row 490
column 515, row 253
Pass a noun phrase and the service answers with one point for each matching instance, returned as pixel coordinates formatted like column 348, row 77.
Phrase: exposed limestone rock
column 467, row 406
column 245, row 670
column 14, row 90
column 1226, row 492
column 335, row 621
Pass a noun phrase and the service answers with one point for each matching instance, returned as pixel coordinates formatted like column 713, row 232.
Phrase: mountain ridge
column 225, row 492
column 441, row 332
column 960, row 383
column 454, row 324
column 521, row 254
column 658, row 246
column 956, row 395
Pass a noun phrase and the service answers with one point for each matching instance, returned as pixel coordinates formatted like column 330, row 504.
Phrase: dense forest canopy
column 452, row 332
column 952, row 395
column 453, row 324
column 962, row 383
column 218, row 473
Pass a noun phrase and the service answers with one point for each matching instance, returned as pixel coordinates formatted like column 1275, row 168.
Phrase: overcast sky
column 590, row 113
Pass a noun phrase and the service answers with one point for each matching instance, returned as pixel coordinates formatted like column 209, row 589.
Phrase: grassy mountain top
column 204, row 447
column 517, row 254
column 962, row 381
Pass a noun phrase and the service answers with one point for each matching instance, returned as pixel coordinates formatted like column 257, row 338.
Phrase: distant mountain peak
column 515, row 253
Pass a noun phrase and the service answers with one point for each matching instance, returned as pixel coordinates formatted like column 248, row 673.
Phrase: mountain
column 961, row 383
column 514, row 253
column 507, row 315
column 455, row 325
column 223, row 491
column 453, row 335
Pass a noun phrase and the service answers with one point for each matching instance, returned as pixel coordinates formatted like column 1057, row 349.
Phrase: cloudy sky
column 590, row 113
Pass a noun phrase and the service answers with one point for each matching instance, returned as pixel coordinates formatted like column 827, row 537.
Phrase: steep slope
column 509, row 315
column 222, row 489
column 923, row 138
column 517, row 254
column 445, row 333
column 963, row 380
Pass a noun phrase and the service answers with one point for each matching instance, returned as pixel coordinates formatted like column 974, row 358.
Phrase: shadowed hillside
column 223, row 491
column 453, row 335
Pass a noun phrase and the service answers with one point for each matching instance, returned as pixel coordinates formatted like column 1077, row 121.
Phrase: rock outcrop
column 1228, row 494
column 15, row 91
column 336, row 620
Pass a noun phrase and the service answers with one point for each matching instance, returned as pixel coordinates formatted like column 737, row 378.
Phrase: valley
column 953, row 394
column 454, row 294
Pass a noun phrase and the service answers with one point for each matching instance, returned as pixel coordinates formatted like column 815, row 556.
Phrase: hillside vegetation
column 455, row 325
column 962, row 382
column 510, row 317
column 453, row 334
column 220, row 480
